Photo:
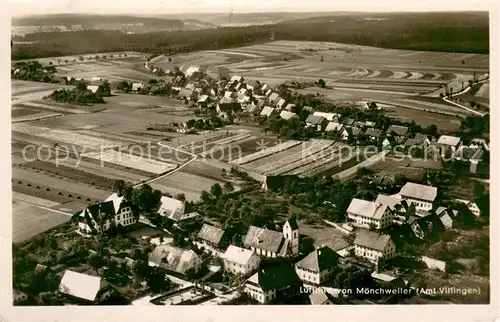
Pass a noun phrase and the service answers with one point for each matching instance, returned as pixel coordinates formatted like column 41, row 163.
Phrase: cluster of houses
column 415, row 206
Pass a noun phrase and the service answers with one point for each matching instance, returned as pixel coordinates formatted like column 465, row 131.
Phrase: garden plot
column 266, row 152
column 54, row 107
column 297, row 160
column 69, row 137
column 131, row 161
column 162, row 153
column 329, row 155
column 35, row 117
column 181, row 182
column 225, row 149
column 105, row 172
column 299, row 148
column 339, row 162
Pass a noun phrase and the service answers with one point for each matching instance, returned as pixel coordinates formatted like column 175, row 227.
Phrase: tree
column 216, row 190
column 119, row 187
column 169, row 59
column 321, row 83
column 146, row 200
column 157, row 280
column 141, row 269
column 228, row 187
column 96, row 261
column 205, row 196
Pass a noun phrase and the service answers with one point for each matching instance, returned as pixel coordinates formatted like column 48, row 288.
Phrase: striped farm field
column 132, row 161
column 266, row 152
column 68, row 137
column 297, row 160
column 331, row 154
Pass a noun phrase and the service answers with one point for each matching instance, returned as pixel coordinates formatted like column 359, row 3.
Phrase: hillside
column 100, row 22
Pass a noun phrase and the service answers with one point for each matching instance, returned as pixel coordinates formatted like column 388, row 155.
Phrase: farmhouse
column 286, row 115
column 373, row 246
column 203, row 101
column 171, row 208
column 185, row 93
column 334, row 127
column 281, row 104
column 289, row 106
column 449, row 141
column 82, row 288
column 267, row 111
column 317, row 267
column 308, row 109
column 137, row 87
column 473, row 207
column 421, row 195
column 373, row 134
column 316, row 121
column 93, row 88
column 272, row 282
column 236, row 79
column 240, row 261
column 190, row 86
column 270, row 243
column 226, row 109
column 173, row 259
column 191, row 70
column 321, row 298
column 211, row 237
column 97, row 218
column 347, row 121
column 332, row 117
column 426, row 227
column 401, row 208
column 447, row 216
column 274, row 98
column 398, row 132
column 367, row 213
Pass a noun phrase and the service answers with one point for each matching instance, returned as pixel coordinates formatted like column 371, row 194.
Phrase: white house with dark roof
column 171, row 207
column 373, row 246
column 473, row 207
column 373, row 134
column 270, row 243
column 97, row 218
column 281, row 104
column 400, row 208
column 421, row 195
column 315, row 121
column 317, row 267
column 368, row 213
column 274, row 98
column 240, row 261
column 398, row 132
column 447, row 216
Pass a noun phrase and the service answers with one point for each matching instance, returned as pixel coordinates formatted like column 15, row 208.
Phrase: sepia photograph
column 234, row 152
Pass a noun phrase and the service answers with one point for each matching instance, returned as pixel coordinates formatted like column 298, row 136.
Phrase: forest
column 448, row 32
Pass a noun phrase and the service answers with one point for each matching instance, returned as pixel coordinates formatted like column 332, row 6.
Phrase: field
column 323, row 235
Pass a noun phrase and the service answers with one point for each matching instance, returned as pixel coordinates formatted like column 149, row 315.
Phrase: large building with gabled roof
column 317, row 267
column 373, row 246
column 270, row 243
column 97, row 218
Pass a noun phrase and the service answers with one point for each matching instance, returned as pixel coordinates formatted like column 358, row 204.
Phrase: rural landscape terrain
column 250, row 165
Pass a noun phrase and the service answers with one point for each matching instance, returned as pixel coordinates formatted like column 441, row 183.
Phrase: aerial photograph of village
column 246, row 158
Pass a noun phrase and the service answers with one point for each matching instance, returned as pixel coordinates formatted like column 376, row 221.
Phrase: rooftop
column 372, row 240
column 366, row 208
column 419, row 191
column 320, row 259
column 238, row 255
column 448, row 140
column 211, row 234
column 80, row 285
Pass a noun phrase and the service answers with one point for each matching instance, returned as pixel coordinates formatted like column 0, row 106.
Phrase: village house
column 270, row 243
column 471, row 155
column 447, row 216
column 289, row 107
column 479, row 143
column 174, row 259
column 317, row 267
column 240, row 261
column 421, row 195
column 190, row 86
column 274, row 99
column 253, row 85
column 372, row 134
column 321, row 298
column 426, row 227
column 371, row 106
column 226, row 109
column 415, row 147
column 368, row 214
column 191, row 70
column 281, row 104
column 373, row 246
column 449, row 141
column 286, row 115
column 267, row 111
column 318, row 122
column 137, row 87
column 268, row 93
column 354, row 132
column 347, row 121
column 400, row 208
column 273, row 282
column 309, row 109
column 171, row 207
column 185, row 93
column 334, row 127
column 471, row 205
column 236, row 79
column 82, row 288
column 332, row 117
column 211, row 237
column 97, row 218
column 398, row 132
column 203, row 101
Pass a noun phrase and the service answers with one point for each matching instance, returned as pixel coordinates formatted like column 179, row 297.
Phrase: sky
column 30, row 7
